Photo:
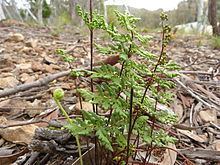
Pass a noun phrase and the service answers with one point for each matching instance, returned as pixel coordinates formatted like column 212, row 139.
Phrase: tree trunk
column 200, row 15
column 72, row 4
column 105, row 12
column 2, row 14
column 39, row 4
column 212, row 15
column 15, row 10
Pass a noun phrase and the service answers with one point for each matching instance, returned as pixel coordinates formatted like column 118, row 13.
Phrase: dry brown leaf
column 17, row 134
column 23, row 66
column 49, row 60
column 26, row 78
column 208, row 115
column 193, row 136
column 52, row 114
column 178, row 108
column 208, row 93
column 169, row 156
column 37, row 66
column 216, row 145
column 85, row 106
column 187, row 101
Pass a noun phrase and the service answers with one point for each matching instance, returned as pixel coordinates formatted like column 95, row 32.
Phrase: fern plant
column 129, row 95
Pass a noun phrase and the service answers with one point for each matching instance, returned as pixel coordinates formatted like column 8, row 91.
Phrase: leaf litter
column 28, row 54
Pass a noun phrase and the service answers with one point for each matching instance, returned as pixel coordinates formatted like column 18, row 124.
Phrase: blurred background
column 200, row 16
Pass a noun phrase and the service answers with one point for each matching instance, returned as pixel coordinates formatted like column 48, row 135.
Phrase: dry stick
column 33, row 158
column 35, row 122
column 38, row 83
column 46, row 80
column 191, row 115
column 23, row 123
column 197, row 72
column 75, row 47
column 196, row 96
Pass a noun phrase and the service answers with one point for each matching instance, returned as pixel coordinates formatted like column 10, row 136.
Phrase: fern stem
column 70, row 122
column 63, row 110
column 91, row 68
column 158, row 61
column 130, row 123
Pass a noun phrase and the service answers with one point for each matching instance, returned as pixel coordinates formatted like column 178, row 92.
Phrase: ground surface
column 28, row 54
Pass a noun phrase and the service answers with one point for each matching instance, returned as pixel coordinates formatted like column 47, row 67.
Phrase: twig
column 195, row 96
column 34, row 122
column 196, row 72
column 23, row 123
column 41, row 82
column 75, row 47
column 38, row 83
column 214, row 125
column 191, row 115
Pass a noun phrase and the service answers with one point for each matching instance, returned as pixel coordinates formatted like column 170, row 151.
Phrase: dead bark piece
column 199, row 153
column 8, row 159
column 52, row 147
column 32, row 158
column 111, row 60
column 60, row 136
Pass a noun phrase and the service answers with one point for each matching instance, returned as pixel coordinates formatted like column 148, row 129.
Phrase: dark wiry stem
column 130, row 123
column 149, row 150
column 91, row 42
column 158, row 62
column 121, row 71
column 91, row 68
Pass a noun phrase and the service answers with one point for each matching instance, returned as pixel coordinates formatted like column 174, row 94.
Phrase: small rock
column 24, row 66
column 16, row 37
column 48, row 68
column 2, row 50
column 26, row 78
column 32, row 43
column 4, row 63
column 8, row 82
column 37, row 66
column 48, row 60
column 26, row 50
